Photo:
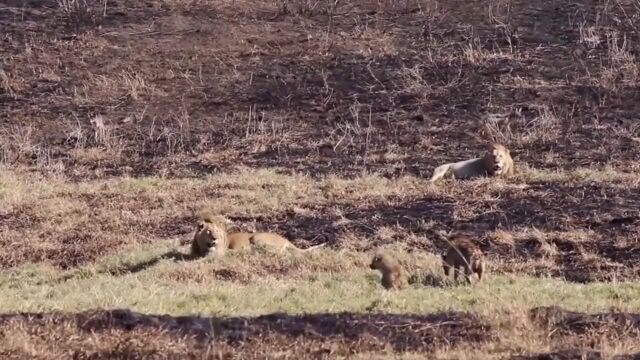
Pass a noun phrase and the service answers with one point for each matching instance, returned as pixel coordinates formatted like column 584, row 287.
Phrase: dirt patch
column 71, row 249
column 174, row 226
column 562, row 322
column 591, row 331
column 390, row 88
column 574, row 354
column 310, row 336
column 18, row 219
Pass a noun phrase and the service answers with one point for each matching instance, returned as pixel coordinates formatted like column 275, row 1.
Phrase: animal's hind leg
column 439, row 172
column 480, row 269
column 447, row 269
column 457, row 271
column 468, row 273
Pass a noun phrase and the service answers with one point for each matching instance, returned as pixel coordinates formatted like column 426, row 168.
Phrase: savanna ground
column 320, row 120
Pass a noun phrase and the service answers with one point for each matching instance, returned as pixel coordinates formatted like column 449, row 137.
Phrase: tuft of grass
column 82, row 12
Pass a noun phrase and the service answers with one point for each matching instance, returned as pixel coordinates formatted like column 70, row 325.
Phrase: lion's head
column 211, row 234
column 376, row 262
column 498, row 160
column 382, row 262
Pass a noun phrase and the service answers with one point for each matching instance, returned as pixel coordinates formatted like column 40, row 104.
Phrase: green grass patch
column 252, row 283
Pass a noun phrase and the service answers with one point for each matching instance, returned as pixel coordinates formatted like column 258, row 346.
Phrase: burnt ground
column 574, row 354
column 388, row 87
column 307, row 336
column 186, row 89
column 126, row 334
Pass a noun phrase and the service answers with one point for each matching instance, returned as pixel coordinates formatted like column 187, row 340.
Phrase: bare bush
column 308, row 7
column 18, row 143
column 104, row 135
column 82, row 12
column 406, row 6
column 543, row 124
column 5, row 84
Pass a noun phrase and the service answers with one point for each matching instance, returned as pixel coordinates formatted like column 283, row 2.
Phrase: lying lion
column 211, row 233
column 496, row 161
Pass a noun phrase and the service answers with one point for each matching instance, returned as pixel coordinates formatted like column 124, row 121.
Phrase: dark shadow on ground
column 356, row 332
column 565, row 322
column 575, row 354
column 141, row 266
column 561, row 323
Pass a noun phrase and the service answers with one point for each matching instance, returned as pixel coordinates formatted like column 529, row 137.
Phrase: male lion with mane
column 496, row 161
column 212, row 232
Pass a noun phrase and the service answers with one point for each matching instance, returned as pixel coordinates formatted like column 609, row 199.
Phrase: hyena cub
column 463, row 256
column 393, row 276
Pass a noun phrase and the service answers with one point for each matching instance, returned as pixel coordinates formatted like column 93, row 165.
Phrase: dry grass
column 245, row 285
column 68, row 260
column 271, row 91
column 254, row 283
column 319, row 120
column 57, row 220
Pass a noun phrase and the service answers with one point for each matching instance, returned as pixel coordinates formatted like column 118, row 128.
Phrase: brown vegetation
column 120, row 332
column 114, row 114
column 147, row 87
column 127, row 334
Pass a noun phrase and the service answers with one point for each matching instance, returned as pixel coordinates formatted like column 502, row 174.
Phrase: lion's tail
column 439, row 172
column 314, row 246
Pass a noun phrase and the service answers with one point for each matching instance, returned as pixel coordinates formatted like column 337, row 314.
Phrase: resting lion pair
column 212, row 234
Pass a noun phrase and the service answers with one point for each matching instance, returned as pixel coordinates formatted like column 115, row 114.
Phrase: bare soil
column 126, row 334
column 574, row 354
column 308, row 336
column 186, row 89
